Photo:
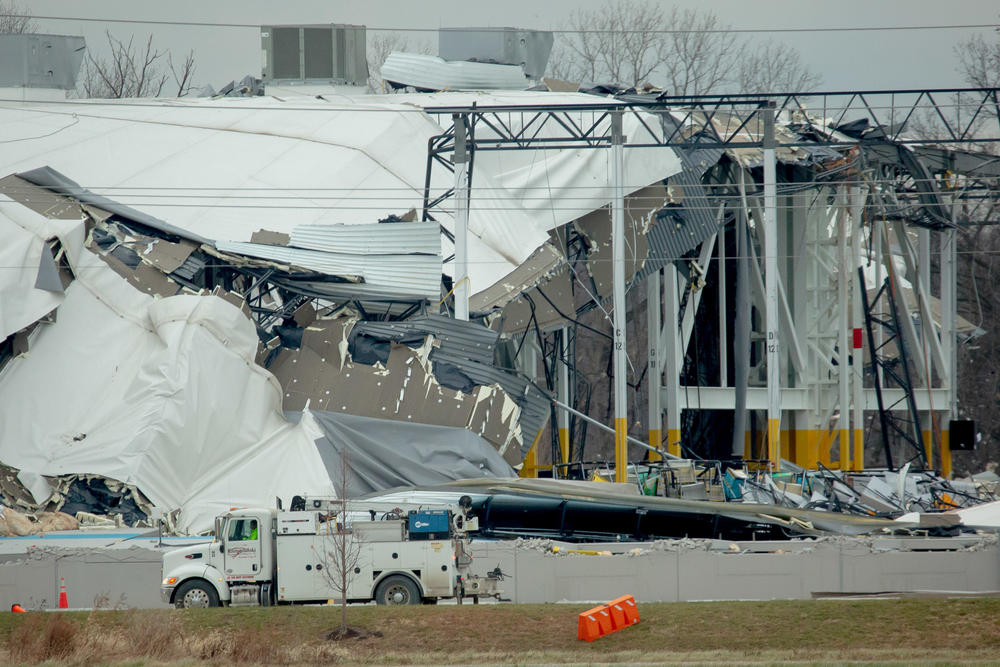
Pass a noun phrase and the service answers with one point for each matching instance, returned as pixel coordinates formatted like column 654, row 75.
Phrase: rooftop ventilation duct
column 505, row 46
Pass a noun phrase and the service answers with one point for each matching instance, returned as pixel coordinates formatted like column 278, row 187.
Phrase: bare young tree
column 699, row 58
column 134, row 70
column 634, row 41
column 380, row 45
column 622, row 42
column 183, row 73
column 15, row 19
column 341, row 550
column 979, row 61
column 774, row 67
column 978, row 247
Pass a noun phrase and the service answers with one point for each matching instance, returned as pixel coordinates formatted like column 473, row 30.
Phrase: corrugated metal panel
column 681, row 229
column 469, row 340
column 190, row 268
column 469, row 346
column 535, row 406
column 433, row 73
column 403, row 275
column 398, row 238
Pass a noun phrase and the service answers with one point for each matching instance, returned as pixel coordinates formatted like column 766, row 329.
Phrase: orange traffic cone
column 63, row 599
column 17, row 609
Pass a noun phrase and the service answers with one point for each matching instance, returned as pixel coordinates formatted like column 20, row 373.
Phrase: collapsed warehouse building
column 214, row 300
column 150, row 328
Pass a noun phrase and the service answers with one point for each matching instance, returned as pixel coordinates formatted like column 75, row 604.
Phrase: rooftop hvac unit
column 332, row 53
column 40, row 61
column 504, row 46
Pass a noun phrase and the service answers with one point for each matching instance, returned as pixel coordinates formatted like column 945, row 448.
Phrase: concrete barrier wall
column 665, row 572
column 789, row 571
column 111, row 577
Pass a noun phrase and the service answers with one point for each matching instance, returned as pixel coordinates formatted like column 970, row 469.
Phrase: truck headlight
column 170, row 581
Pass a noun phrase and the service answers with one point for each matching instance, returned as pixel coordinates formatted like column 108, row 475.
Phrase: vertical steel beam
column 655, row 371
column 723, row 311
column 562, row 392
column 672, row 359
column 618, row 294
column 771, row 275
column 843, row 353
column 858, row 196
column 529, row 467
column 923, row 286
column 461, row 162
column 949, row 346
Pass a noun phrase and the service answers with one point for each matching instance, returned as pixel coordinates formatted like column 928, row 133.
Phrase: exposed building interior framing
column 870, row 187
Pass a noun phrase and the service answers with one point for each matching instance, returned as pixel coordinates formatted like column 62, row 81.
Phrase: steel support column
column 673, row 359
column 843, row 351
column 461, row 162
column 562, row 392
column 618, row 295
column 654, row 372
column 771, row 276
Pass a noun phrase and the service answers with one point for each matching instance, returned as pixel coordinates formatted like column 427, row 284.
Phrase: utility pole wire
column 207, row 24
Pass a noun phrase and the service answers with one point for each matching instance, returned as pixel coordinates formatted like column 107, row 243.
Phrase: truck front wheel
column 193, row 594
column 397, row 589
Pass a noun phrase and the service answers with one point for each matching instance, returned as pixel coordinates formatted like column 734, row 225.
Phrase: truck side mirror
column 222, row 547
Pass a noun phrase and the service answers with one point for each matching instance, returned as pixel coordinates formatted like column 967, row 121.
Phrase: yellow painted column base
column 621, row 449
column 564, row 447
column 774, row 443
column 858, row 459
column 674, row 441
column 529, row 467
column 845, row 449
column 804, row 446
column 946, row 454
column 655, row 437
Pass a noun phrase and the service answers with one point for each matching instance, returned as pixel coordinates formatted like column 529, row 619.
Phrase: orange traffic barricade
column 594, row 623
column 627, row 604
column 617, row 613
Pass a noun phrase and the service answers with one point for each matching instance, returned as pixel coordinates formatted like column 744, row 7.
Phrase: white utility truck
column 393, row 555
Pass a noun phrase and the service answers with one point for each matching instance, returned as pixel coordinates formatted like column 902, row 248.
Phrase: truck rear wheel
column 397, row 590
column 195, row 594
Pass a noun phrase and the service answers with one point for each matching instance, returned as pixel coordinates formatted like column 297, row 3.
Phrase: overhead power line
column 208, row 24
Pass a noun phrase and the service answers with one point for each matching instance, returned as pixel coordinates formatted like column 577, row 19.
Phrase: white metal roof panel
column 434, row 73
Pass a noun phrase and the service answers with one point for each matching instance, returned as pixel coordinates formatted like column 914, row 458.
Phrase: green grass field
column 923, row 631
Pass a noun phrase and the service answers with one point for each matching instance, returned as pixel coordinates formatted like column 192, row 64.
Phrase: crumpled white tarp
column 163, row 394
column 224, row 169
column 22, row 242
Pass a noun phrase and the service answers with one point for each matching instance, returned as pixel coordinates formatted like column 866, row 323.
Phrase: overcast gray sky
column 846, row 60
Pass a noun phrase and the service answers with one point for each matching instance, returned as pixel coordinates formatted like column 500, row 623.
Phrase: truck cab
column 241, row 555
